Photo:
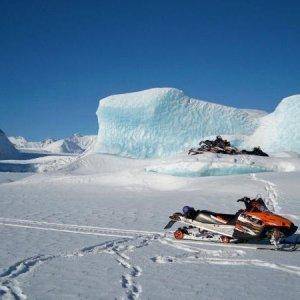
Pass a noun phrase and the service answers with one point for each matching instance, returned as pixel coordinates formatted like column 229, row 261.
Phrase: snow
column 92, row 229
column 22, row 143
column 280, row 130
column 7, row 150
column 74, row 144
column 163, row 121
column 206, row 169
column 18, row 141
column 210, row 164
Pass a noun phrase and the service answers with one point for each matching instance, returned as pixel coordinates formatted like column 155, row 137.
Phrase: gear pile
column 219, row 145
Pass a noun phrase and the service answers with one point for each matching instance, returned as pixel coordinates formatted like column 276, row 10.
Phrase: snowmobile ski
column 281, row 247
column 170, row 224
column 250, row 246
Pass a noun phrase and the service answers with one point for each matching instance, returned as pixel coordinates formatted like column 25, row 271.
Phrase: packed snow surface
column 163, row 121
column 94, row 230
column 7, row 149
column 280, row 130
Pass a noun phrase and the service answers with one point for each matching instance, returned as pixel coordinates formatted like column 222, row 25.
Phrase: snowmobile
column 256, row 151
column 255, row 223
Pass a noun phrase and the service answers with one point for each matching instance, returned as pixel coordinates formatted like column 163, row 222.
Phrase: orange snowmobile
column 255, row 222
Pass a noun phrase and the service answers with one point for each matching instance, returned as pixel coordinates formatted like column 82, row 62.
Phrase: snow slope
column 280, row 130
column 7, row 150
column 164, row 121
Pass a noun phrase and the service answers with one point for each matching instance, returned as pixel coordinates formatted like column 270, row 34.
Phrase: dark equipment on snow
column 255, row 151
column 223, row 146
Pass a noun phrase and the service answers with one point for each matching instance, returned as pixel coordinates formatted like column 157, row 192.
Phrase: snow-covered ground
column 91, row 228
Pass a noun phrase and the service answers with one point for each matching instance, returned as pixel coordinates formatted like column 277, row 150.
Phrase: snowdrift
column 280, row 130
column 7, row 150
column 162, row 121
column 204, row 169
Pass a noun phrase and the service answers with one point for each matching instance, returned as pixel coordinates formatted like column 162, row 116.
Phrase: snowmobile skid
column 253, row 224
column 216, row 240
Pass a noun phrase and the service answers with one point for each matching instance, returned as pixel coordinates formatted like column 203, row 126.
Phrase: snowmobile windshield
column 262, row 208
column 254, row 204
column 258, row 204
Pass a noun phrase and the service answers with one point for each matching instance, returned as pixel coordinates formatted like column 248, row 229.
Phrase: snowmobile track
column 233, row 257
column 79, row 229
column 115, row 232
column 201, row 259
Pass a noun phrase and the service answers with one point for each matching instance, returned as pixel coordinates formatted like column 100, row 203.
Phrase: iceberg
column 279, row 130
column 160, row 122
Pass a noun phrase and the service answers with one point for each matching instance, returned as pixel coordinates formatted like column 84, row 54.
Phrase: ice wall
column 164, row 121
column 280, row 130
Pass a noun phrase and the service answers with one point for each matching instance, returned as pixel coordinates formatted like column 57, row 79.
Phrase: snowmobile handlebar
column 244, row 199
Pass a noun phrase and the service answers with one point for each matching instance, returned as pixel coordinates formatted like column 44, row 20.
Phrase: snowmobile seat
column 213, row 217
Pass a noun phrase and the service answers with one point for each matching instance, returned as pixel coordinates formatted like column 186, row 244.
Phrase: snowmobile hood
column 271, row 219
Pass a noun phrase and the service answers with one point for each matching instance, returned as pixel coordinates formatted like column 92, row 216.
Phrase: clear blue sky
column 58, row 58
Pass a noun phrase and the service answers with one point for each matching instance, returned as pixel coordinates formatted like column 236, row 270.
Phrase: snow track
column 196, row 258
column 70, row 228
column 121, row 249
column 272, row 194
column 228, row 256
column 130, row 241
column 9, row 287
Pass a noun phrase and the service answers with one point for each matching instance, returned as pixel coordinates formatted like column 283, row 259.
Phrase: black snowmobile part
column 174, row 218
column 281, row 247
column 170, row 224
